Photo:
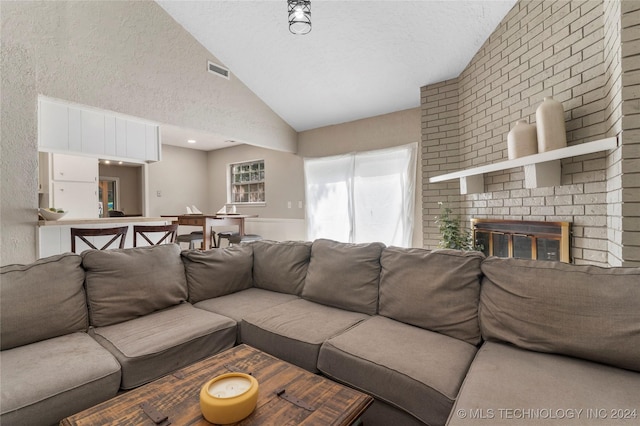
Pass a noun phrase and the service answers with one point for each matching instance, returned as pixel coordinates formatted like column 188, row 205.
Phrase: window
column 247, row 182
column 362, row 197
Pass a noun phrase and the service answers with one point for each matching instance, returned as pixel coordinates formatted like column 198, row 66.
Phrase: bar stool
column 161, row 234
column 119, row 232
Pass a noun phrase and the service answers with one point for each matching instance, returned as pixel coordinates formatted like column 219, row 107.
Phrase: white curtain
column 362, row 197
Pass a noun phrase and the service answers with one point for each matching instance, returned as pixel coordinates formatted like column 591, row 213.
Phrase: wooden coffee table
column 175, row 398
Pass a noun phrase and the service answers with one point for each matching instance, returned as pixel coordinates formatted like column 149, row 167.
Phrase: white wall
column 124, row 56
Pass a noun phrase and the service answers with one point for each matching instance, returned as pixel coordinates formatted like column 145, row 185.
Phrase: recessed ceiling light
column 107, row 162
column 191, row 141
column 120, row 162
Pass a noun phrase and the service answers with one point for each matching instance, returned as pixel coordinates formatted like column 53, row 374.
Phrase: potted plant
column 453, row 235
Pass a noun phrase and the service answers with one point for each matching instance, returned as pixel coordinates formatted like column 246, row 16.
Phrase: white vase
column 522, row 140
column 551, row 130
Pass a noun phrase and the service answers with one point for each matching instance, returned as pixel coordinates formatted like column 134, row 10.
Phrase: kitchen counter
column 54, row 236
column 104, row 221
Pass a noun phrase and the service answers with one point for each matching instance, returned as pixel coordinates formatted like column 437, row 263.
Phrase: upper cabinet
column 74, row 169
column 70, row 128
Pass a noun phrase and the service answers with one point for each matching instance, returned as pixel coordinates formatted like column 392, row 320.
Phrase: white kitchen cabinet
column 110, row 136
column 66, row 127
column 93, row 132
column 75, row 130
column 74, row 168
column 53, row 127
column 80, row 199
column 152, row 141
column 121, row 137
column 73, row 184
column 136, row 140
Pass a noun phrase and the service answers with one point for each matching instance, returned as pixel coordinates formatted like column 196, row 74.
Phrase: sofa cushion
column 42, row 300
column 281, row 266
column 46, row 381
column 214, row 273
column 294, row 331
column 416, row 370
column 240, row 304
column 507, row 385
column 156, row 344
column 344, row 275
column 436, row 290
column 588, row 312
column 124, row 284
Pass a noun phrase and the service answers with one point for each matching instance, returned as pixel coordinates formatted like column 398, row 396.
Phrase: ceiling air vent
column 218, row 70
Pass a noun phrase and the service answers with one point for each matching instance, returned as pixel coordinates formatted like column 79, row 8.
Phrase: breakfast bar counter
column 54, row 236
column 105, row 221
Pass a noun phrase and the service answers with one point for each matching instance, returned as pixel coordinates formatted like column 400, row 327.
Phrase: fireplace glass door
column 523, row 239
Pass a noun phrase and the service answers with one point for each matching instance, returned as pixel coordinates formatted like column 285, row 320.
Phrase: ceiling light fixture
column 299, row 16
column 191, row 141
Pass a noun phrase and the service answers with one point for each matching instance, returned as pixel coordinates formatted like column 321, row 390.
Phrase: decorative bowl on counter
column 51, row 215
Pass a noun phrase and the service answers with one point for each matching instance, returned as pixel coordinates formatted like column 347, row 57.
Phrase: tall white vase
column 522, row 140
column 552, row 133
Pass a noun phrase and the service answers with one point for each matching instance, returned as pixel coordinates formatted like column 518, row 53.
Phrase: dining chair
column 162, row 234
column 119, row 232
column 235, row 238
column 196, row 237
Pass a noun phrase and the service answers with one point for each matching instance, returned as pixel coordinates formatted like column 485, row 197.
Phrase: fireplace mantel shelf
column 540, row 170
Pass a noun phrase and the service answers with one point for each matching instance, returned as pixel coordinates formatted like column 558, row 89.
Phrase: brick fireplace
column 584, row 55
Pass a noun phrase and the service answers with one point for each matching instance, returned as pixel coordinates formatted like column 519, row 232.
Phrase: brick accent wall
column 630, row 35
column 440, row 127
column 613, row 75
column 566, row 49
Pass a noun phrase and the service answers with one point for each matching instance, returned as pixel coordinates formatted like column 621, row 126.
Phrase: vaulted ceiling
column 361, row 59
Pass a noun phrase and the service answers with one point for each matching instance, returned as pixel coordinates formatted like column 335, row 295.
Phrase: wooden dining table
column 206, row 221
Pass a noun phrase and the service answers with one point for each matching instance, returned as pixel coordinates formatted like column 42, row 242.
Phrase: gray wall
column 284, row 178
column 182, row 179
column 130, row 186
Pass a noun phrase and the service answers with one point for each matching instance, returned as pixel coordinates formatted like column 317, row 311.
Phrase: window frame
column 232, row 172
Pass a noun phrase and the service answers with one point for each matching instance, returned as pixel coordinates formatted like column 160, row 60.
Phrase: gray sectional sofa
column 437, row 337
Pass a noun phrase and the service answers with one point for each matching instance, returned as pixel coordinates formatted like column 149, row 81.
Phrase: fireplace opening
column 523, row 239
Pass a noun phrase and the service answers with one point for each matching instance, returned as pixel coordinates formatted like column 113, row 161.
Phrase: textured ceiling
column 361, row 59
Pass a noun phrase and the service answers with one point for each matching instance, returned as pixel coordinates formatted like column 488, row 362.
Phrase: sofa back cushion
column 436, row 290
column 281, row 266
column 344, row 275
column 42, row 300
column 124, row 284
column 214, row 273
column 588, row 312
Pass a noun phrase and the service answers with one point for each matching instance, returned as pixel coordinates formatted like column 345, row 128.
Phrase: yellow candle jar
column 229, row 398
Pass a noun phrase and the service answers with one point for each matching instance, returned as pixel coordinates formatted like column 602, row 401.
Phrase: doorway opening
column 109, row 197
